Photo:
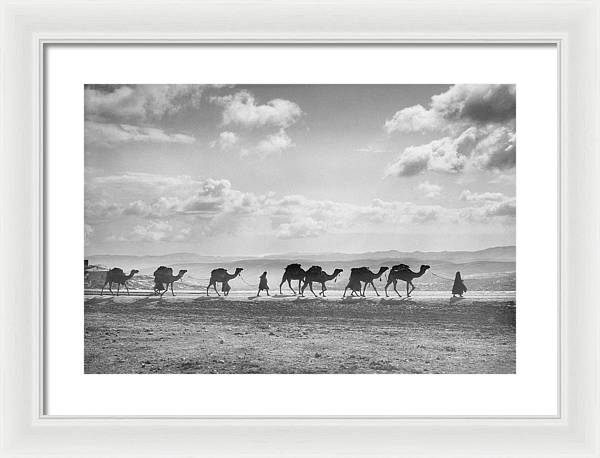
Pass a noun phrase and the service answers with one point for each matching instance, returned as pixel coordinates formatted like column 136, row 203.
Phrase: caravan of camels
column 360, row 278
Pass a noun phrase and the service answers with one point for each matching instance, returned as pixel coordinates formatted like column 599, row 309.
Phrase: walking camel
column 364, row 275
column 317, row 275
column 221, row 275
column 163, row 277
column 292, row 272
column 116, row 275
column 403, row 272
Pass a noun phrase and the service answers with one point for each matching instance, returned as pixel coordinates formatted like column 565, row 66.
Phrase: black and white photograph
column 300, row 229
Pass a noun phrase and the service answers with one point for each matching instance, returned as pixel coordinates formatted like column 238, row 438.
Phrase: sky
column 264, row 169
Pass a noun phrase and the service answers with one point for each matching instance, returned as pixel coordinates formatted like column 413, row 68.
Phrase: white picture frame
column 27, row 27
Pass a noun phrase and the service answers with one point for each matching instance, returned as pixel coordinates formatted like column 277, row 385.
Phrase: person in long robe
column 458, row 287
column 262, row 284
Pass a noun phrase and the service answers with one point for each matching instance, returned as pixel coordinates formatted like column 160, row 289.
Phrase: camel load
column 364, row 275
column 116, row 275
column 221, row 275
column 163, row 277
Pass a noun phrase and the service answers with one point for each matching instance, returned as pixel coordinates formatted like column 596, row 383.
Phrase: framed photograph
column 305, row 229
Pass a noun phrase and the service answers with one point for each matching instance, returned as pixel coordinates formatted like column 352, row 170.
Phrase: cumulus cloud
column 214, row 206
column 462, row 104
column 138, row 103
column 479, row 148
column 300, row 229
column 226, row 141
column 430, row 190
column 479, row 123
column 156, row 231
column 469, row 196
column 242, row 109
column 488, row 205
column 272, row 144
column 109, row 134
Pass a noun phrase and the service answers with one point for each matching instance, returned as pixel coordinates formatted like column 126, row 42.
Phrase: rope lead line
column 248, row 284
column 439, row 276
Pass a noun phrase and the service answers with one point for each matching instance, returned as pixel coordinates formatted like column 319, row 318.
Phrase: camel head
column 133, row 272
column 336, row 272
column 424, row 267
column 381, row 271
column 181, row 272
column 238, row 271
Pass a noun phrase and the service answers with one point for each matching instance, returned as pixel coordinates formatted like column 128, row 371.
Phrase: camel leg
column 301, row 290
column 364, row 289
column 102, row 290
column 290, row 285
column 344, row 295
column 311, row 289
column 172, row 289
column 215, row 287
column 375, row 289
column 407, row 292
column 282, row 282
column 399, row 295
column 110, row 288
column 301, row 293
column 388, row 283
column 207, row 289
column 127, row 288
column 412, row 287
column 323, row 289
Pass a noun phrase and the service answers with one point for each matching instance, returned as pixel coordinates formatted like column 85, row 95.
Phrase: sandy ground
column 196, row 334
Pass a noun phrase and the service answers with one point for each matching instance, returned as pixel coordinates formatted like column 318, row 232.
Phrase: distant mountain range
column 496, row 259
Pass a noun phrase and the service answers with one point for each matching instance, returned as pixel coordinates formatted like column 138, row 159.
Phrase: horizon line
column 313, row 253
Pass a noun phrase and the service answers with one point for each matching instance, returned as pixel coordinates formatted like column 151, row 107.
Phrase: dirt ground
column 125, row 335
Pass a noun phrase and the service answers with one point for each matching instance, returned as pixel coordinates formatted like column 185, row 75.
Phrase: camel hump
column 359, row 269
column 293, row 267
column 163, row 270
column 400, row 267
column 220, row 270
column 116, row 270
column 314, row 270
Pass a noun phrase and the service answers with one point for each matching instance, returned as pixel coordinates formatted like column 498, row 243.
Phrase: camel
column 316, row 274
column 363, row 274
column 221, row 275
column 165, row 275
column 116, row 275
column 403, row 272
column 354, row 285
column 292, row 272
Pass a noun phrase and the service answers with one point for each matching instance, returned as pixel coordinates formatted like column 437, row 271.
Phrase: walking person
column 458, row 287
column 225, row 288
column 262, row 284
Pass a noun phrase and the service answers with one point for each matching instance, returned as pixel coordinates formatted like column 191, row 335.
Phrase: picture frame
column 28, row 27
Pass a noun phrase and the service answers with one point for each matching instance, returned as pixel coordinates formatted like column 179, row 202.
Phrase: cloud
column 138, row 103
column 479, row 123
column 430, row 190
column 469, row 196
column 155, row 231
column 226, row 141
column 213, row 206
column 241, row 109
column 300, row 229
column 488, row 205
column 491, row 148
column 461, row 105
column 272, row 144
column 111, row 134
